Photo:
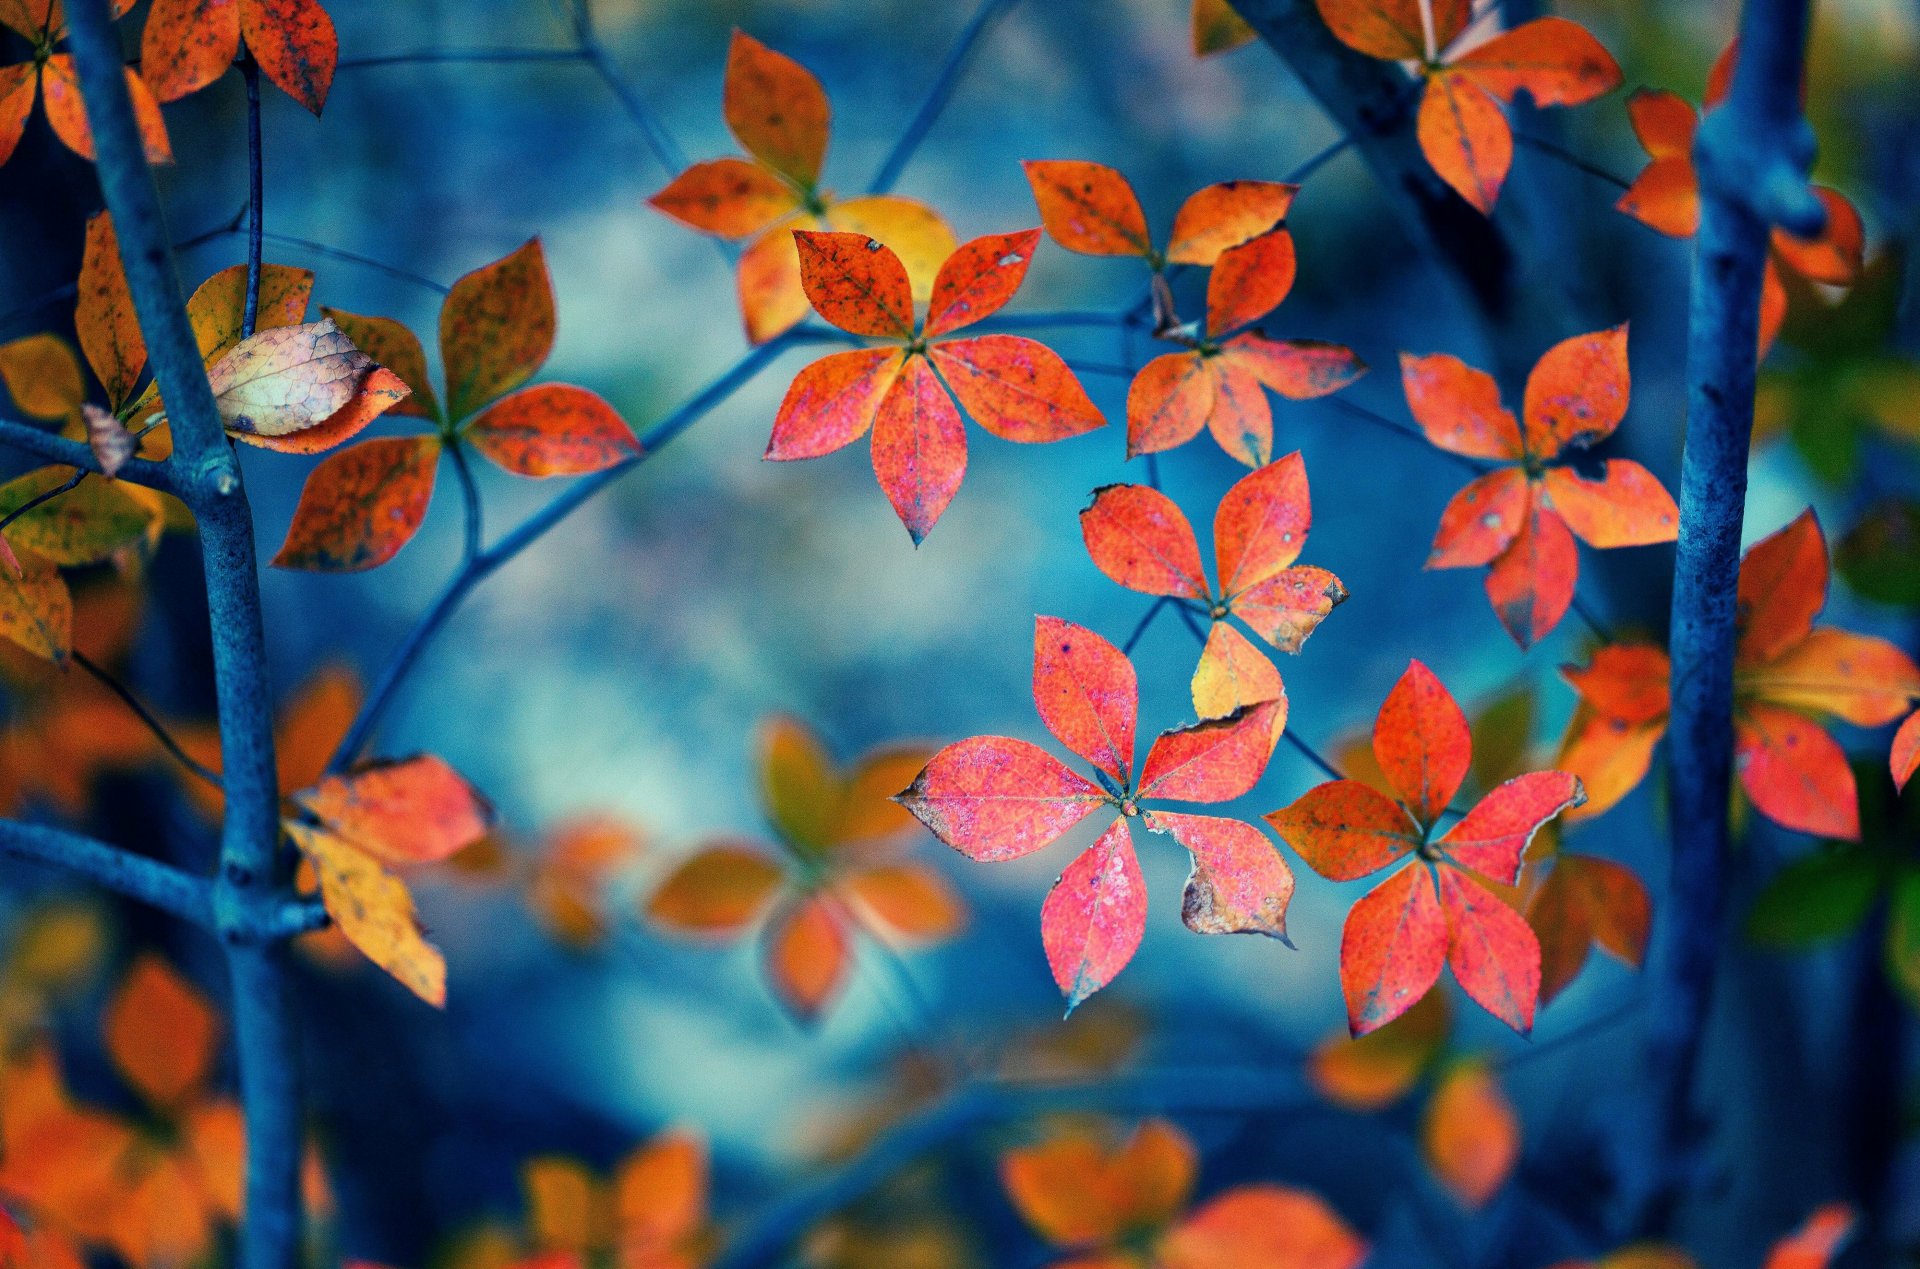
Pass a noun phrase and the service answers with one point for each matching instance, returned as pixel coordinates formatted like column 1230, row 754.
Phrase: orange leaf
column 1531, row 584
column 1226, row 215
column 1577, row 392
column 1904, row 758
column 1392, row 949
column 1834, row 256
column 1239, row 884
column 19, row 85
column 1018, row 389
column 1491, row 949
column 1345, row 829
column 1089, row 207
column 361, row 505
column 832, row 402
column 374, row 909
column 1232, row 673
column 1298, row 369
column 1216, row 760
column 1394, row 29
column 799, row 787
column 1610, row 756
column 767, row 280
column 1241, row 420
column 405, row 811
column 776, row 109
column 1085, row 691
column 1094, row 916
column 187, row 44
column 1494, row 835
column 1140, row 538
column 1624, row 681
column 660, row 1194
column 1072, row 1188
column 911, row 230
column 217, row 309
column 42, row 376
column 36, row 611
column 1289, row 606
column 161, row 1033
column 1482, row 520
column 295, row 43
column 808, row 952
column 396, row 348
column 1377, row 1069
column 1266, row 1225
column 729, row 198
column 919, row 448
column 1666, row 197
column 1421, row 741
column 857, row 283
column 553, row 429
column 1459, row 407
column 60, row 96
column 978, row 279
column 1867, row 681
column 718, row 890
column 1217, row 28
column 1555, row 61
column 1795, row 773
column 1664, row 122
column 496, row 328
column 104, row 320
column 1470, row 1133
column 1465, row 137
column 1586, row 900
column 1627, row 506
column 1783, row 587
column 1248, row 281
column 1169, row 402
column 1814, row 1244
column 910, row 900
column 992, row 798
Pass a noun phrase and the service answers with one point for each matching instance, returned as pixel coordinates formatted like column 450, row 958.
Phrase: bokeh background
column 622, row 666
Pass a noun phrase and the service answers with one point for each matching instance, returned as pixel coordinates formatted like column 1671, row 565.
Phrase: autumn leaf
column 1432, row 911
column 496, row 329
column 1470, row 1133
column 912, row 397
column 42, row 376
column 361, row 504
column 1521, row 519
column 835, row 870
column 650, row 1212
column 287, row 379
column 402, row 811
column 187, row 44
column 1217, row 27
column 552, row 429
column 1817, row 1241
column 1379, row 1068
column 374, row 909
column 42, row 24
column 1585, row 902
column 994, row 798
column 104, row 320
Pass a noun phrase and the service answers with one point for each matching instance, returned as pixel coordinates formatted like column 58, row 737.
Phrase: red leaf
column 1783, row 587
column 553, row 429
column 1627, row 506
column 1813, row 1245
column 857, row 283
column 1394, row 29
column 1470, row 1134
column 1627, row 681
column 729, row 198
column 1262, row 523
column 1557, row 63
column 1421, row 741
column 19, row 85
column 1904, row 759
column 1265, row 1225
column 1492, row 950
column 1494, row 835
column 831, row 402
column 1095, row 915
column 1140, row 538
column 1249, row 281
column 1795, row 773
column 1459, row 407
column 1018, row 389
column 386, row 341
column 1585, row 900
column 1290, row 605
column 919, row 448
column 1482, row 520
column 1664, row 197
column 187, row 44
column 1298, row 369
column 1213, row 761
column 1392, row 948
column 1239, row 883
column 1241, row 420
column 1169, row 403
column 977, row 280
column 1086, row 693
column 67, row 114
column 807, row 956
column 1531, row 584
column 361, row 505
column 1226, row 215
column 1089, row 207
column 413, row 810
column 1345, row 830
column 1465, row 137
column 1835, row 255
column 776, row 109
column 991, row 798
column 1577, row 392
column 496, row 329
column 296, row 46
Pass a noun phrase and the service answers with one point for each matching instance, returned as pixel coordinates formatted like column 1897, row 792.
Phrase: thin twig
column 1584, row 611
column 1140, row 627
column 939, row 93
column 472, row 522
column 43, row 497
column 1573, row 160
column 256, row 199
column 464, row 56
column 147, row 717
column 1312, row 755
column 1405, row 431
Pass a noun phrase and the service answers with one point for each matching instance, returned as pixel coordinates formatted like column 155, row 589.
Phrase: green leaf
column 1815, row 899
column 1903, row 935
column 1876, row 556
column 84, row 525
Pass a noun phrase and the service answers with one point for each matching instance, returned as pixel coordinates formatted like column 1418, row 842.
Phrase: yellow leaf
column 287, row 378
column 375, row 911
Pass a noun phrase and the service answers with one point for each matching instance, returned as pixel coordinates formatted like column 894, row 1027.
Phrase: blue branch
column 938, row 95
column 136, row 876
column 1752, row 156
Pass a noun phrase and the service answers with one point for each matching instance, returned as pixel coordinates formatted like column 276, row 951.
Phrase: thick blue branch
column 1752, row 156
column 55, row 448
column 163, row 886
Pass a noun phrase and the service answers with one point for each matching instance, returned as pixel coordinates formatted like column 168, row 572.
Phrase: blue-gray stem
column 256, row 203
column 1752, row 156
column 945, row 80
column 207, row 477
column 136, row 876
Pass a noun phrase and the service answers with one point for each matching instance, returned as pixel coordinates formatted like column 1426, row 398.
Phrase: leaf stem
column 146, row 717
column 939, row 93
column 256, row 208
